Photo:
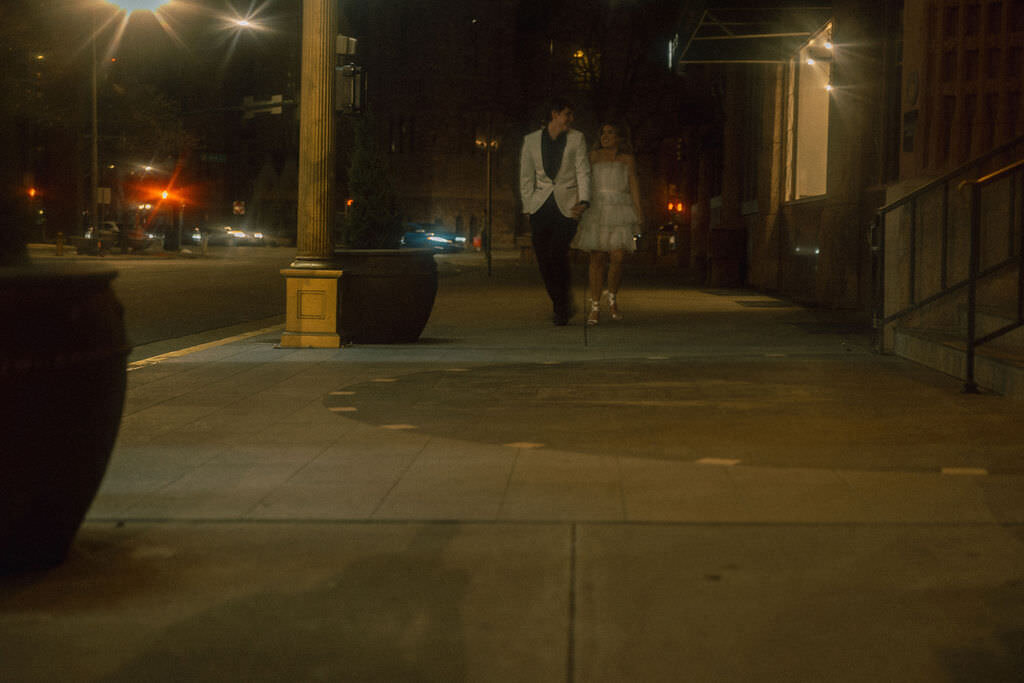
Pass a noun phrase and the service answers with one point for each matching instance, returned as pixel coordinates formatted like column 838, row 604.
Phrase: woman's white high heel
column 613, row 307
column 595, row 312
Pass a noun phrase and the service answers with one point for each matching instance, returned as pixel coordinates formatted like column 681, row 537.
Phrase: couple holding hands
column 587, row 200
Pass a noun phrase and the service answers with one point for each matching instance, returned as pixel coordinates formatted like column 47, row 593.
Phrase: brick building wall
column 962, row 81
column 436, row 83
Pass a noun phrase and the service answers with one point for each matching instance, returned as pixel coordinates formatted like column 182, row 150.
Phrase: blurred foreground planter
column 386, row 295
column 62, row 386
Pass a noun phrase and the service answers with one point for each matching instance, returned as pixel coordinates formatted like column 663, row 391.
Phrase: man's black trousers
column 552, row 233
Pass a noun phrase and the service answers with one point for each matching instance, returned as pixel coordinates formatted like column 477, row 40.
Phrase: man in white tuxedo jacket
column 554, row 181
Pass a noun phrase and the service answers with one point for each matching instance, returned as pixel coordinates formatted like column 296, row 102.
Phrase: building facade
column 830, row 112
column 442, row 78
column 438, row 80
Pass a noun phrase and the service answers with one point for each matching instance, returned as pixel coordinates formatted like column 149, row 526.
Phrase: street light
column 488, row 144
column 128, row 6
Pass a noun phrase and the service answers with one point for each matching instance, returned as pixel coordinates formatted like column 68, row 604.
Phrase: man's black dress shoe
column 562, row 318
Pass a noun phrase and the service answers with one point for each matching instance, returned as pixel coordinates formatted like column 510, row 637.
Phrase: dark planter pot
column 386, row 294
column 62, row 386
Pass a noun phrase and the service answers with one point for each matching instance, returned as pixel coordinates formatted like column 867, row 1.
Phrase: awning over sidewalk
column 748, row 31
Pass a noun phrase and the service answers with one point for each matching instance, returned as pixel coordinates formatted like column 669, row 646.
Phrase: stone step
column 992, row 318
column 996, row 368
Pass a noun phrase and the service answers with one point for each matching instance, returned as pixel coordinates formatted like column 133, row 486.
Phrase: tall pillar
column 312, row 282
column 316, row 135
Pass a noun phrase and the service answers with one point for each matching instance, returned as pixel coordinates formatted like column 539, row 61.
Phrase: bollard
column 60, row 244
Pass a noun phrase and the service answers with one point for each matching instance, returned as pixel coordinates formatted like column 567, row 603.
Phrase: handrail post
column 944, row 274
column 1017, row 233
column 970, row 386
column 912, row 284
column 878, row 279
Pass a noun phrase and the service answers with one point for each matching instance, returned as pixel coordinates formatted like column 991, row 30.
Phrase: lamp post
column 128, row 6
column 488, row 144
column 94, row 169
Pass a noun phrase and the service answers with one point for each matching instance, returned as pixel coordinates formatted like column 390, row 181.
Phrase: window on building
column 586, row 68
column 899, row 130
column 810, row 84
column 753, row 135
column 402, row 135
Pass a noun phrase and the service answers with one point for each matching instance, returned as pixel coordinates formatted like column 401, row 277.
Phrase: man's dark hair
column 556, row 104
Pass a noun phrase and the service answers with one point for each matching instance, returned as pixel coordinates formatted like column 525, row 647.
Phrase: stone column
column 312, row 283
column 317, row 135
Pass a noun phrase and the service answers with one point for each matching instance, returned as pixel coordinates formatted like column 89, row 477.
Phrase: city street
column 797, row 456
column 174, row 301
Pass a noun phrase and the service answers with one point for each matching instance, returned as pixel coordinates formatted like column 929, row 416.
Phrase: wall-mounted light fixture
column 350, row 78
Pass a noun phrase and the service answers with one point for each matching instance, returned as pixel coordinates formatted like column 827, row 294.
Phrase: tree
column 613, row 54
column 373, row 220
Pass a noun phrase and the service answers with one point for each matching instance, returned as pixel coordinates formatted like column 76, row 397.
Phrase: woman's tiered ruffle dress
column 611, row 220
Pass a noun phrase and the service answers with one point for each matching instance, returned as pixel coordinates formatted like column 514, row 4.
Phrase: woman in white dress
column 606, row 229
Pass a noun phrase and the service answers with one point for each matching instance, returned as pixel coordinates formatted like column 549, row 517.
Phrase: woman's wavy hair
column 621, row 131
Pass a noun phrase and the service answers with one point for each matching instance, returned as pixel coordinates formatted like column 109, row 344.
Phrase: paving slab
column 725, row 486
column 809, row 603
column 331, row 602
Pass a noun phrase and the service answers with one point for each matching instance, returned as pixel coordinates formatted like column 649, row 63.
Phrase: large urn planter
column 62, row 386
column 386, row 295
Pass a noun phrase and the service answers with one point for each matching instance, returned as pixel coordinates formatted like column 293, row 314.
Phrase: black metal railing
column 949, row 241
column 975, row 187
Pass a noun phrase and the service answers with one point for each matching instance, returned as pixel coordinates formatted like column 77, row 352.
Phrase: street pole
column 489, row 236
column 488, row 144
column 94, row 182
column 181, row 224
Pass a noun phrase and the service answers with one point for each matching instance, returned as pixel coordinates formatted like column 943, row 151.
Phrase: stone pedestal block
column 311, row 308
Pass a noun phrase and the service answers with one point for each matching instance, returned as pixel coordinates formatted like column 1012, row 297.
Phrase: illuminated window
column 586, row 68
column 810, row 92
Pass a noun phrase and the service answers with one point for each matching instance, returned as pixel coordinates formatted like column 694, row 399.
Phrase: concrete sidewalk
column 722, row 487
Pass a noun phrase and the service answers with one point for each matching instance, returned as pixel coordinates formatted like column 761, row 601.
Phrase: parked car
column 112, row 237
column 432, row 236
column 278, row 239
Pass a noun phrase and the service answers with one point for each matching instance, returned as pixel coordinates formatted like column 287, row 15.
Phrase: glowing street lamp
column 128, row 6
column 138, row 5
column 238, row 23
column 488, row 144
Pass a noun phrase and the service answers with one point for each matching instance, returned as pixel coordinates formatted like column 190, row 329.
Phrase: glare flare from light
column 130, row 6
